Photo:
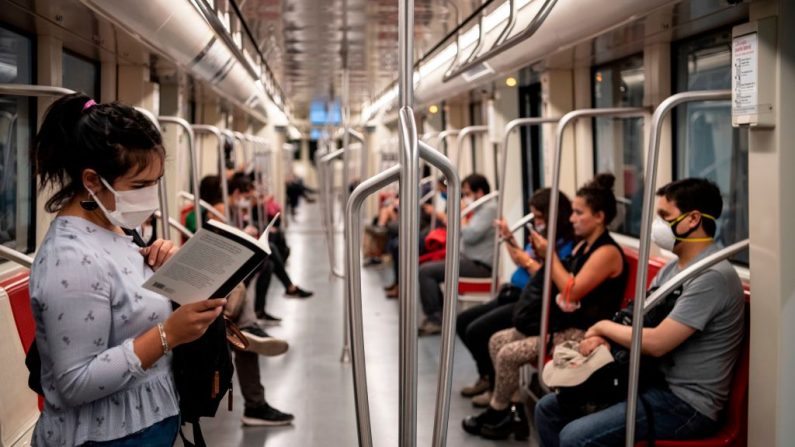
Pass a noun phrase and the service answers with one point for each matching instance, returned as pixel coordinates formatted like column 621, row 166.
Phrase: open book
column 210, row 264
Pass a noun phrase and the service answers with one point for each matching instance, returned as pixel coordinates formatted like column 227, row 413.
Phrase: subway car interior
column 401, row 167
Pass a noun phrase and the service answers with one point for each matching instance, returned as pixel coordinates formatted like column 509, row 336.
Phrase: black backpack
column 203, row 371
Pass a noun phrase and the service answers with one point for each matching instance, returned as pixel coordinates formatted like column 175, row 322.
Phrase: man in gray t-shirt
column 699, row 371
column 698, row 343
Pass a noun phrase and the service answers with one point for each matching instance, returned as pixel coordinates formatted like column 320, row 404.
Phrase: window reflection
column 16, row 183
column 706, row 143
column 618, row 142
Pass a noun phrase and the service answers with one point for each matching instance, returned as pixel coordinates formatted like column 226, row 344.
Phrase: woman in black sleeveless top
column 592, row 287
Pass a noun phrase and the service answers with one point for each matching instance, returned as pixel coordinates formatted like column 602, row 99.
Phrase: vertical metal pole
column 345, row 356
column 502, row 175
column 649, row 183
column 193, row 159
column 354, row 296
column 163, row 195
column 451, row 266
column 221, row 168
column 409, row 231
column 552, row 217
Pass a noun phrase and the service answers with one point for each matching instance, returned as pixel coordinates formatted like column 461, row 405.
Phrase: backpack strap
column 650, row 435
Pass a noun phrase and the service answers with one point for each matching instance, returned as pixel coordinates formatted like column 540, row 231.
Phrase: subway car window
column 531, row 137
column 80, row 74
column 618, row 143
column 16, row 127
column 706, row 143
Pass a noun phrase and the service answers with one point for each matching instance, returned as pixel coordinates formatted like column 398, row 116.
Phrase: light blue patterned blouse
column 88, row 304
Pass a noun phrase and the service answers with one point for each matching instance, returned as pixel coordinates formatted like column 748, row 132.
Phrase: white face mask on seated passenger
column 663, row 232
column 133, row 207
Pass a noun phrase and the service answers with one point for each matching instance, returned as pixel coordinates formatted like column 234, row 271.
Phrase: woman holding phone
column 591, row 284
column 477, row 324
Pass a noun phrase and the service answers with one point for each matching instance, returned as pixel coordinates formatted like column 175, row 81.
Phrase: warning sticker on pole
column 744, row 75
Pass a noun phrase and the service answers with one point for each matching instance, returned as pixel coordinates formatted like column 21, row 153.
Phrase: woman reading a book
column 104, row 341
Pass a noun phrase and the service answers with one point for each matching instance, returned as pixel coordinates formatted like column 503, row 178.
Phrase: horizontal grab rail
column 210, row 209
column 175, row 224
column 478, row 203
column 15, row 256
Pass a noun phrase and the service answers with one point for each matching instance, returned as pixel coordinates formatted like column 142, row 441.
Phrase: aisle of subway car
column 311, row 382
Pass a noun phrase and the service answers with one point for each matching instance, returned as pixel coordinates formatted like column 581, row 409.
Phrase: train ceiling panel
column 306, row 42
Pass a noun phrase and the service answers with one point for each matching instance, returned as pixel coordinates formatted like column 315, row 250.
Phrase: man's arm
column 656, row 342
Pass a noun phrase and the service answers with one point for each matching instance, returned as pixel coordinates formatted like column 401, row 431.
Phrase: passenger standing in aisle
column 104, row 341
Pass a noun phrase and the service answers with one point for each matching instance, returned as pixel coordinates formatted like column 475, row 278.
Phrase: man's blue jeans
column 673, row 418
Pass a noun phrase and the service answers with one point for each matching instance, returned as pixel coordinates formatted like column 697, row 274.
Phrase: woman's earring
column 89, row 205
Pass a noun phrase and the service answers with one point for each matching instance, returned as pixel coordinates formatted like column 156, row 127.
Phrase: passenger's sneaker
column 476, row 388
column 265, row 416
column 298, row 292
column 482, row 400
column 263, row 344
column 429, row 327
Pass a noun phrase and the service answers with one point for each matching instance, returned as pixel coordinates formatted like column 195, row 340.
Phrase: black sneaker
column 265, row 416
column 298, row 293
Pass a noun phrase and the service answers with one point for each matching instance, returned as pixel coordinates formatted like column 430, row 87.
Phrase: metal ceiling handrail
column 650, row 181
column 502, row 176
column 479, row 43
column 459, row 142
column 508, row 43
column 16, row 256
column 216, row 132
column 508, row 26
column 161, row 183
column 194, row 164
column 552, row 215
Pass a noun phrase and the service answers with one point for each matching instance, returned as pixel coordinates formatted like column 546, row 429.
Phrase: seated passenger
column 698, row 342
column 593, row 284
column 477, row 247
column 104, row 341
column 476, row 325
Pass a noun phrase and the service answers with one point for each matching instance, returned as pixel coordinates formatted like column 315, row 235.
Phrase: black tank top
column 602, row 302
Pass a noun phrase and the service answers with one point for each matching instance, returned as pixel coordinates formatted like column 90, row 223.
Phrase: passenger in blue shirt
column 476, row 325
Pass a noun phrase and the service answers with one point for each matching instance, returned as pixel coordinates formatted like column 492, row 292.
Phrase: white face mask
column 466, row 201
column 541, row 229
column 133, row 207
column 662, row 234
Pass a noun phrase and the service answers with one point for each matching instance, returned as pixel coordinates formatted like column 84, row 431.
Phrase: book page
column 199, row 268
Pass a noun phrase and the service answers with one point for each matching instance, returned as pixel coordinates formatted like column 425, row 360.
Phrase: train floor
column 310, row 382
